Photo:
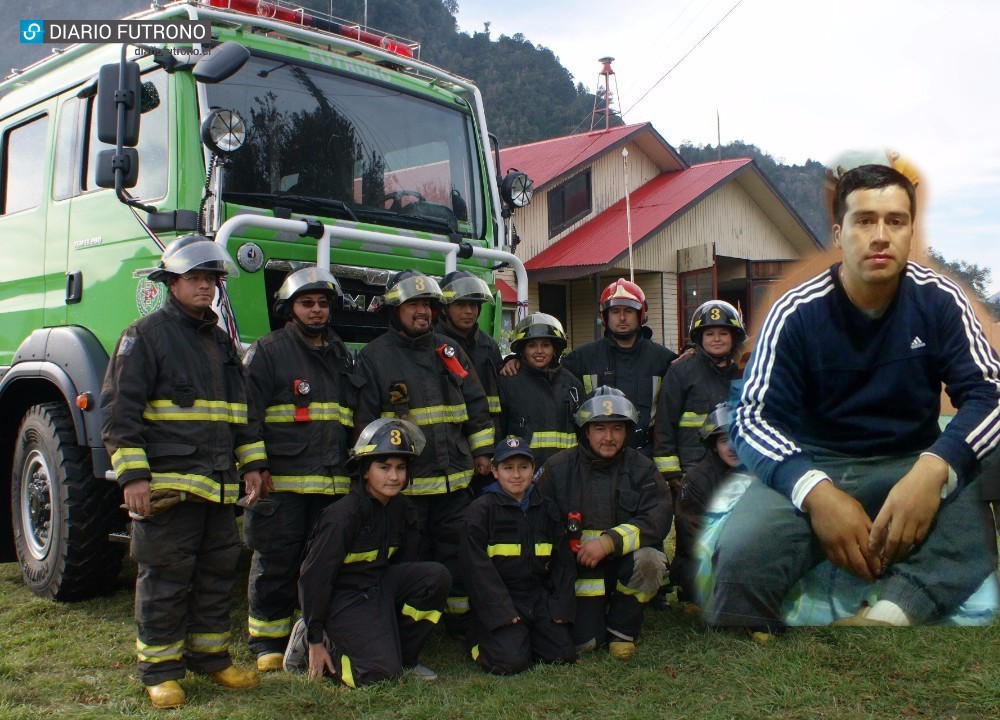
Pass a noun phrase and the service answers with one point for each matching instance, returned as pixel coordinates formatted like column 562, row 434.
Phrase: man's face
column 875, row 235
column 606, row 438
column 312, row 308
column 194, row 291
column 623, row 320
column 726, row 451
column 462, row 314
column 415, row 316
column 385, row 478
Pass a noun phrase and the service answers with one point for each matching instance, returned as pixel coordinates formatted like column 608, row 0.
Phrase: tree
column 971, row 275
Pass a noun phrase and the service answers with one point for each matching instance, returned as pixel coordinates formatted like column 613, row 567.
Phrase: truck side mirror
column 104, row 173
column 107, row 104
column 222, row 62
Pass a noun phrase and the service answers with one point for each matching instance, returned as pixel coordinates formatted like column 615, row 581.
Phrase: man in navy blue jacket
column 839, row 421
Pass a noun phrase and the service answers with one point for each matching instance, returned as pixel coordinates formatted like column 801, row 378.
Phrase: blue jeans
column 767, row 546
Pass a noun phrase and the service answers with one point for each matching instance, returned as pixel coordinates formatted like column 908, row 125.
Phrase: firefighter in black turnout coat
column 302, row 390
column 617, row 512
column 368, row 606
column 174, row 417
column 539, row 402
column 519, row 569
column 411, row 372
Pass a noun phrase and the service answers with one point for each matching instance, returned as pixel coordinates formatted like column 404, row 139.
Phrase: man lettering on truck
column 175, row 423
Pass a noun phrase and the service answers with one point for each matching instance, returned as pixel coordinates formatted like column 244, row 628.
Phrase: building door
column 552, row 300
column 694, row 288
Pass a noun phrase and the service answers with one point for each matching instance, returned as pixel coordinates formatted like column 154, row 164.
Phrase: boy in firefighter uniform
column 539, row 402
column 175, row 422
column 519, row 569
column 694, row 386
column 412, row 372
column 302, row 390
column 368, row 606
column 617, row 512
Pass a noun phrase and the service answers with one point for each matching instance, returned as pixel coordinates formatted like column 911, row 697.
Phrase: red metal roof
column 600, row 241
column 507, row 293
column 546, row 160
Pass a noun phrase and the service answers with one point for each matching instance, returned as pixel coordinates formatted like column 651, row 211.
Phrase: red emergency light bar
column 298, row 16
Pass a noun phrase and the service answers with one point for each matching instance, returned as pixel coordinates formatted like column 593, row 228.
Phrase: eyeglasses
column 199, row 277
column 309, row 303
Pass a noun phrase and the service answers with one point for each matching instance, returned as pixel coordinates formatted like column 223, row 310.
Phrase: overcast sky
column 803, row 79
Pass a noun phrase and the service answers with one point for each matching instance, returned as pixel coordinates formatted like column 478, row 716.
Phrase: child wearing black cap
column 517, row 564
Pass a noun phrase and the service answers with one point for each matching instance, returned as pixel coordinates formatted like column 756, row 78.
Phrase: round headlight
column 516, row 189
column 223, row 131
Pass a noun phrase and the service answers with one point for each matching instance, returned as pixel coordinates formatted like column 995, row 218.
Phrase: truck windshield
column 345, row 147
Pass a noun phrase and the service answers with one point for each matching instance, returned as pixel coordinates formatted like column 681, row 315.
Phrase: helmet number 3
column 715, row 314
column 607, row 407
column 418, row 283
column 395, row 438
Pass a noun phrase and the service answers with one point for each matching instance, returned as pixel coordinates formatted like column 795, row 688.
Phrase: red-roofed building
column 713, row 230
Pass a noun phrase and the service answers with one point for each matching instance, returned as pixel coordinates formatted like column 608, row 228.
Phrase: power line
column 674, row 66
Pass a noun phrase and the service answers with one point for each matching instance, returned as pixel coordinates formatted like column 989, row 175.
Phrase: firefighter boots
column 166, row 695
column 234, row 678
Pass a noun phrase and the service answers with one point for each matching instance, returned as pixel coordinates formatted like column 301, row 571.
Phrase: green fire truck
column 291, row 138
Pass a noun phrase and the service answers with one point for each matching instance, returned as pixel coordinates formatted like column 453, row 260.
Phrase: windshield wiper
column 416, row 222
column 327, row 206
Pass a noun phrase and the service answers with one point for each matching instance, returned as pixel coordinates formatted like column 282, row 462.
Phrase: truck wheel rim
column 36, row 505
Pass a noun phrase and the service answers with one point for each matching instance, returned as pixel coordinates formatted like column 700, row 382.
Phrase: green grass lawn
column 78, row 661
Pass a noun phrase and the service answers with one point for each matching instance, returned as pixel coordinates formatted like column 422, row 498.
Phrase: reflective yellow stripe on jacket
column 667, row 463
column 494, row 402
column 589, row 587
column 205, row 410
column 124, row 459
column 251, row 452
column 367, row 556
column 481, row 439
column 629, row 535
column 640, row 596
column 552, row 439
column 434, row 414
column 317, row 411
column 312, row 484
column 439, row 484
column 203, row 487
column 692, row 420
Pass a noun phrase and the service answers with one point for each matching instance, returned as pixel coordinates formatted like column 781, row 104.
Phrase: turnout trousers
column 441, row 518
column 277, row 528
column 379, row 631
column 606, row 607
column 512, row 648
column 187, row 559
column 767, row 546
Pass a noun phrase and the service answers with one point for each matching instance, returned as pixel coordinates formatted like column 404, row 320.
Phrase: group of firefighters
column 538, row 492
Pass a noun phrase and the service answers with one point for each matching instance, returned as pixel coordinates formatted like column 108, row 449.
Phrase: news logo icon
column 32, row 32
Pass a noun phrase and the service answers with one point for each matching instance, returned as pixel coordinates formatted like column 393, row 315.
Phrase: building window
column 569, row 202
column 23, row 165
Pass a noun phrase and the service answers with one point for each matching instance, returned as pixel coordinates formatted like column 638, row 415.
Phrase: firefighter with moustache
column 617, row 512
column 464, row 295
column 368, row 605
column 414, row 373
column 174, row 414
column 625, row 358
column 302, row 388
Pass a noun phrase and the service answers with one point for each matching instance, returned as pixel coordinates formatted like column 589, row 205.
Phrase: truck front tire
column 61, row 514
